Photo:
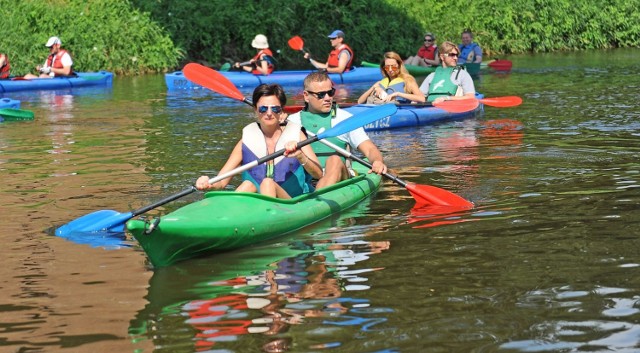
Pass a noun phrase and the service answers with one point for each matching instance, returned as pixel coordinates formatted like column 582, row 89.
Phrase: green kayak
column 226, row 220
column 472, row 68
column 12, row 114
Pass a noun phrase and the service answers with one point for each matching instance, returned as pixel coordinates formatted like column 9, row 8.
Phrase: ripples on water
column 546, row 262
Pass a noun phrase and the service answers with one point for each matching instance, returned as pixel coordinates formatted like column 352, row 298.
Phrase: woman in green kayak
column 285, row 177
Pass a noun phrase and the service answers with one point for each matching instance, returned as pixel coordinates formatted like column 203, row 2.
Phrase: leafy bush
column 139, row 36
column 100, row 35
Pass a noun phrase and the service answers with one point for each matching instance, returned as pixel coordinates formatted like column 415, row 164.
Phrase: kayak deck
column 226, row 220
column 177, row 80
column 82, row 79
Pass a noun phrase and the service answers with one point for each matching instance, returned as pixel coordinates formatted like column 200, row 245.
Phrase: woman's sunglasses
column 320, row 95
column 276, row 109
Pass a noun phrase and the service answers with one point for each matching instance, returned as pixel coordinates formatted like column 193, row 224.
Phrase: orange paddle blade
column 211, row 79
column 458, row 105
column 296, row 43
column 431, row 195
column 502, row 102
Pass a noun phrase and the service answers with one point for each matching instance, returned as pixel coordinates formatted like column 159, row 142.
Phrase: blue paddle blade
column 360, row 120
column 99, row 221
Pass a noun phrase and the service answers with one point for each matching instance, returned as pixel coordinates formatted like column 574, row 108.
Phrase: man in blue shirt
column 470, row 51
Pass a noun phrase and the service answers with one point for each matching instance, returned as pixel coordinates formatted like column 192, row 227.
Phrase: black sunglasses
column 320, row 95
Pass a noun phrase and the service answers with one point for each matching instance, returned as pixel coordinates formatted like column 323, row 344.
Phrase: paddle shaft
column 348, row 154
column 220, row 177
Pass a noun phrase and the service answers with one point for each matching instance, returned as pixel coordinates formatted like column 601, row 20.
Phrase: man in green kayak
column 321, row 113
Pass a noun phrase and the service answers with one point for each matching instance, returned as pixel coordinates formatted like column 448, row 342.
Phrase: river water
column 547, row 261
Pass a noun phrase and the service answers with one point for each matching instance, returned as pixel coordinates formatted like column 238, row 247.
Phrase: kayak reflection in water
column 285, row 177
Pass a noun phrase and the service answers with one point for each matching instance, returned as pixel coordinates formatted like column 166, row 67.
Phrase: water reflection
column 568, row 332
column 266, row 291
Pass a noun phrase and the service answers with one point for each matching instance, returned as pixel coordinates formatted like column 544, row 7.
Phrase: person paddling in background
column 5, row 67
column 340, row 58
column 396, row 86
column 427, row 54
column 262, row 63
column 57, row 64
column 286, row 176
column 449, row 81
column 470, row 51
column 321, row 113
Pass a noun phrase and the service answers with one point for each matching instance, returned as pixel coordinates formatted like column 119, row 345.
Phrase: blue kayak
column 83, row 79
column 413, row 115
column 177, row 81
column 9, row 103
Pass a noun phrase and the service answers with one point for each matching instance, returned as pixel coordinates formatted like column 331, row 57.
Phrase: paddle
column 112, row 221
column 296, row 43
column 215, row 81
column 212, row 80
column 12, row 114
column 424, row 194
column 452, row 106
column 502, row 102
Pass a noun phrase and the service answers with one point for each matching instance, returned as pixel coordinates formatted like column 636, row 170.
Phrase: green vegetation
column 100, row 35
column 141, row 36
column 217, row 31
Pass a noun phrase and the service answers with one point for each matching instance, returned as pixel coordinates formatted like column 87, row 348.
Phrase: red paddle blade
column 296, row 43
column 458, row 105
column 502, row 102
column 501, row 65
column 211, row 79
column 431, row 195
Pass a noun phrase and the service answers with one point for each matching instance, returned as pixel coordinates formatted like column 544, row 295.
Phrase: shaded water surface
column 546, row 262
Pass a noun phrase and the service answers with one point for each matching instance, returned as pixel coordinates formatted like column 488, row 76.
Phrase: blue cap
column 336, row 33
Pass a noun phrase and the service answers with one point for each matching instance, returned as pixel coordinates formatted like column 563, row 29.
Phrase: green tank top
column 441, row 85
column 313, row 123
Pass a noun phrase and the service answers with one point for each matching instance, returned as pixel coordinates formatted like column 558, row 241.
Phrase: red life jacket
column 55, row 60
column 334, row 61
column 270, row 66
column 4, row 70
column 428, row 52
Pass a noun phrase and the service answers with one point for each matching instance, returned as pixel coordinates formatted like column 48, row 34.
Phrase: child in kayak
column 286, row 176
column 262, row 62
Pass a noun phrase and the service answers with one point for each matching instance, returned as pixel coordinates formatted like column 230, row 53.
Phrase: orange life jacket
column 270, row 66
column 6, row 68
column 55, row 60
column 334, row 57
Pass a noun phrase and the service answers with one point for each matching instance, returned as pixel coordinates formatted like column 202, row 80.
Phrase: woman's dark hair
column 269, row 90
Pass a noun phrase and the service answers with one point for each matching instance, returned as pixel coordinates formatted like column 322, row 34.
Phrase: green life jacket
column 313, row 123
column 441, row 85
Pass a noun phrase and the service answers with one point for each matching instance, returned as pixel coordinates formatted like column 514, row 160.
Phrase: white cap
column 260, row 42
column 52, row 41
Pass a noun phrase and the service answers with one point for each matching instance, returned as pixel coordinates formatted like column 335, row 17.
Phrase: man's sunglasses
column 320, row 95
